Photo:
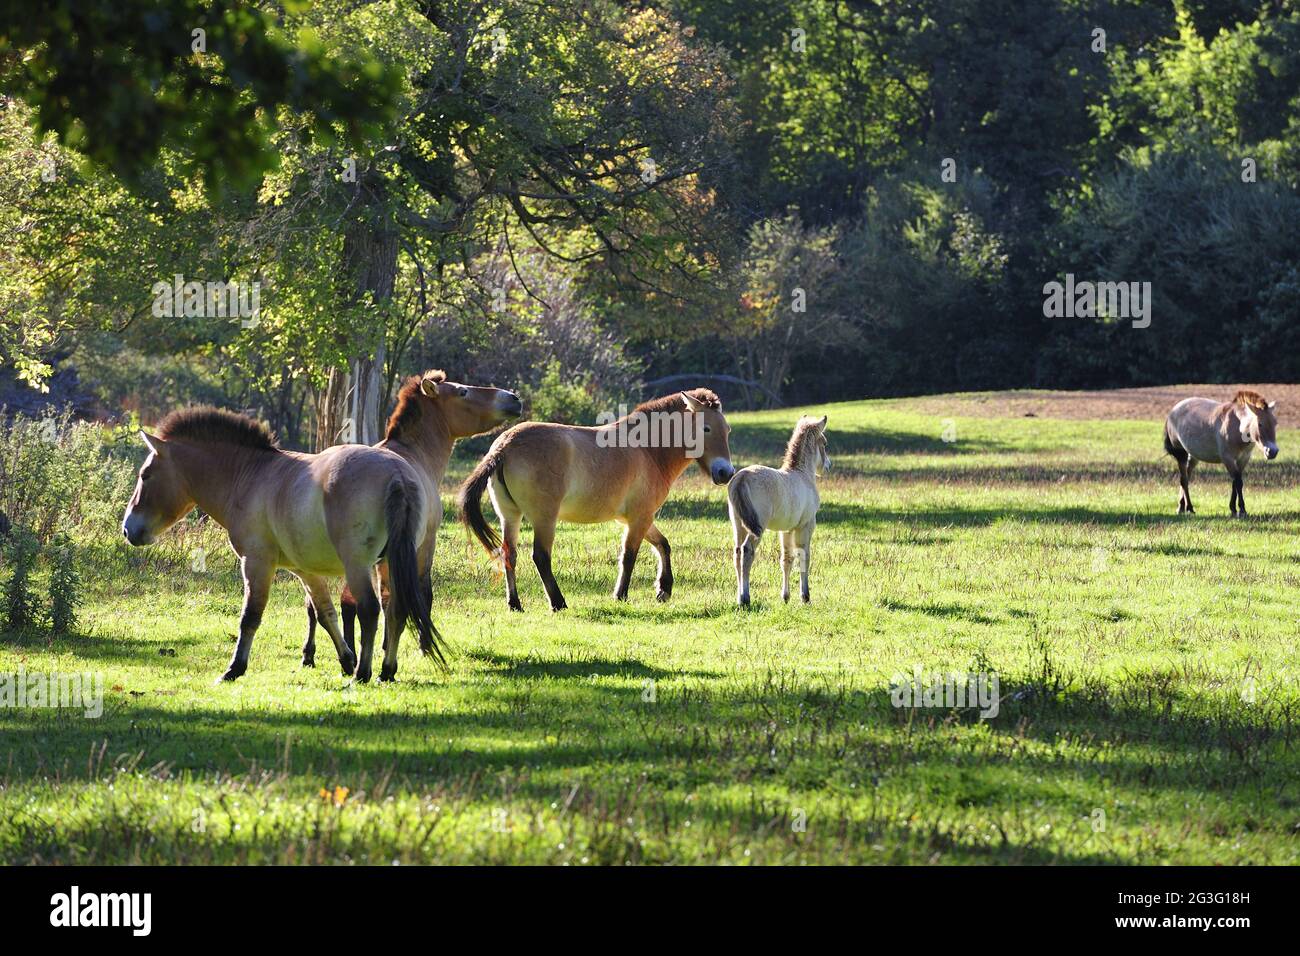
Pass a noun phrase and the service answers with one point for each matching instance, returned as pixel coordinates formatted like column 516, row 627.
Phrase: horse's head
column 160, row 498
column 1259, row 426
column 715, row 461
column 823, row 450
column 469, row 409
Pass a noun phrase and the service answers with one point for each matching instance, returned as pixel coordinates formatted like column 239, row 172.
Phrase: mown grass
column 1147, row 663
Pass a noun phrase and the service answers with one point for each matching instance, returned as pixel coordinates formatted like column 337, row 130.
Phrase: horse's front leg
column 258, row 574
column 664, row 581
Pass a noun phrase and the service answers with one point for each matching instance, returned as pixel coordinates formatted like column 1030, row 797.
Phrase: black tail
column 745, row 507
column 407, row 599
column 1169, row 446
column 469, row 501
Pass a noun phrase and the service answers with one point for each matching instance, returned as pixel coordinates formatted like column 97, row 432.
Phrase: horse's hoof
column 233, row 673
column 515, row 607
column 362, row 677
column 308, row 661
column 663, row 596
column 560, row 606
column 807, row 599
column 386, row 676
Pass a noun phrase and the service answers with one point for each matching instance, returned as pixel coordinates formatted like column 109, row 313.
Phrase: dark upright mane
column 800, row 441
column 408, row 410
column 207, row 424
column 674, row 403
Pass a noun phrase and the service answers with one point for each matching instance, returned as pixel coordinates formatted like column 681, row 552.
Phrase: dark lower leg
column 627, row 561
column 309, row 646
column 542, row 559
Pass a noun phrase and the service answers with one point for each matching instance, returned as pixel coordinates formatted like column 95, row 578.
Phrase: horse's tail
column 744, row 505
column 1170, row 448
column 469, row 502
column 407, row 598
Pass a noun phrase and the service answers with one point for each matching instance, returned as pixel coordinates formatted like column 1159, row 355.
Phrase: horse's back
column 784, row 500
column 565, row 469
column 1193, row 423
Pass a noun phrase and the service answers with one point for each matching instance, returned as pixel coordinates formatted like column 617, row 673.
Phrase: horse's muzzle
column 721, row 472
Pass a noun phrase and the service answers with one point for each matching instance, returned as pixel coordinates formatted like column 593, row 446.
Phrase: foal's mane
column 408, row 411
column 1247, row 397
column 208, row 424
column 674, row 402
column 800, row 441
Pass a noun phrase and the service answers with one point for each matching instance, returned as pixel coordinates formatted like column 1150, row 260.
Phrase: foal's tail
column 408, row 600
column 744, row 505
column 469, row 501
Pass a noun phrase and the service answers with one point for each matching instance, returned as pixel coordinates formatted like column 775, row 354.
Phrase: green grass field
column 1147, row 664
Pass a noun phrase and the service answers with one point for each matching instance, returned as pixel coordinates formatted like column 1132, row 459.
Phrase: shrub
column 20, row 607
column 65, row 586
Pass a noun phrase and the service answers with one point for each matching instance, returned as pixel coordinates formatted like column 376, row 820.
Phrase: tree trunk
column 348, row 408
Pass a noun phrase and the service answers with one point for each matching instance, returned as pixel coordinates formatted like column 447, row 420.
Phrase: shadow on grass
column 533, row 666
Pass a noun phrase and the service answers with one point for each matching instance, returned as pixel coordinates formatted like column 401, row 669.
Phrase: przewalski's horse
column 318, row 516
column 785, row 500
column 431, row 414
column 1201, row 429
column 622, row 471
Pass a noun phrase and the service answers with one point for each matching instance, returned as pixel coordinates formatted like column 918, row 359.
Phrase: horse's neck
column 670, row 461
column 429, row 446
column 215, row 476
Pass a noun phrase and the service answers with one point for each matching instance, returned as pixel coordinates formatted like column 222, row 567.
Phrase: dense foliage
column 819, row 198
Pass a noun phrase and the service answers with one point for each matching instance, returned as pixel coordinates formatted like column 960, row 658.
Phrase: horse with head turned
column 1201, row 429
column 430, row 416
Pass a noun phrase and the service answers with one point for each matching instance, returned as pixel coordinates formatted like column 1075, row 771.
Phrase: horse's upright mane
column 208, row 424
column 1247, row 397
column 800, row 440
column 674, row 403
column 408, row 411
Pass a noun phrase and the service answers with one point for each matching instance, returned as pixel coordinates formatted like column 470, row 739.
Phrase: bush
column 65, row 586
column 20, row 606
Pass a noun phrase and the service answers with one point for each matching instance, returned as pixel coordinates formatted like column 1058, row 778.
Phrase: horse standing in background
column 784, row 500
column 431, row 414
column 1201, row 429
column 621, row 471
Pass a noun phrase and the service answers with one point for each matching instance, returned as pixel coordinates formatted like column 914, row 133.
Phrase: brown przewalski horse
column 548, row 473
column 431, row 414
column 1201, row 429
column 318, row 516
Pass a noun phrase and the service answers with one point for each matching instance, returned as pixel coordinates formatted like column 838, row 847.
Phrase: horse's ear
column 155, row 444
column 692, row 404
column 1272, row 406
column 430, row 381
column 822, row 424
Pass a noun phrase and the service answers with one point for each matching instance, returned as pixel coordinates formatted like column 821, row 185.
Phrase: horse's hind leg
column 258, row 574
column 363, row 590
column 746, row 547
column 543, row 541
column 1184, row 472
column 309, row 645
column 803, row 541
column 318, row 589
column 632, row 537
column 664, row 580
column 787, row 562
column 510, row 516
